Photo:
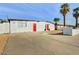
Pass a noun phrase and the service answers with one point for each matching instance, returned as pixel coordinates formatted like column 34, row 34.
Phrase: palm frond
column 64, row 5
column 56, row 20
column 64, row 9
column 76, row 12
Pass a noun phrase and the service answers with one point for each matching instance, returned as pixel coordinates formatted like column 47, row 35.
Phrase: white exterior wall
column 17, row 26
column 30, row 26
column 25, row 28
column 67, row 31
column 4, row 28
column 13, row 26
column 75, row 31
column 52, row 27
column 70, row 31
column 40, row 26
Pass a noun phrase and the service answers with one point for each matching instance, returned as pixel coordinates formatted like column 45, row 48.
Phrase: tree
column 76, row 15
column 64, row 10
column 56, row 20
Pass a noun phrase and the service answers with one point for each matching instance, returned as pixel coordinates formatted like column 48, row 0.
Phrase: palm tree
column 56, row 20
column 76, row 15
column 64, row 10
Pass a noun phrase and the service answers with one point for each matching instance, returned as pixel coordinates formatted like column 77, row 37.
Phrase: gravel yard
column 3, row 41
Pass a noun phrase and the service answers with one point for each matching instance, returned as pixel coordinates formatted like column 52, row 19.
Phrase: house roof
column 2, row 21
column 29, row 20
column 20, row 20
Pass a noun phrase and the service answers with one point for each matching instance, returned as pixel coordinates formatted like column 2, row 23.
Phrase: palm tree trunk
column 76, row 25
column 64, row 20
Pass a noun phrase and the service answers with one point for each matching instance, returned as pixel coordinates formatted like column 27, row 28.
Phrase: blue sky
column 36, row 11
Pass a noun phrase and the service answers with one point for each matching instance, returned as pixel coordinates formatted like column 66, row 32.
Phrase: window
column 20, row 24
column 25, row 24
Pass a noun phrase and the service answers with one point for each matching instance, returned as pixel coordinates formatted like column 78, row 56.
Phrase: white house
column 23, row 25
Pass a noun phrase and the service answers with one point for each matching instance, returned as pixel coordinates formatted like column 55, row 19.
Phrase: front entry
column 47, row 27
column 34, row 27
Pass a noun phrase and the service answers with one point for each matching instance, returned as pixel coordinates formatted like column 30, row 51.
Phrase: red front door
column 34, row 27
column 47, row 27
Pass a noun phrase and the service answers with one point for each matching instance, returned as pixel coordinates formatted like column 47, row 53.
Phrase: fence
column 4, row 28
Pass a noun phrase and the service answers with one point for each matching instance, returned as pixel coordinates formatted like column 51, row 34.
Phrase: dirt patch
column 55, row 32
column 3, row 40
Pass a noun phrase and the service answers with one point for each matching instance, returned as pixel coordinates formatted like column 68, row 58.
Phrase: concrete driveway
column 41, row 43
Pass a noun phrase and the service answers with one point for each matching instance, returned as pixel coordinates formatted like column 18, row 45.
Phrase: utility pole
column 9, row 23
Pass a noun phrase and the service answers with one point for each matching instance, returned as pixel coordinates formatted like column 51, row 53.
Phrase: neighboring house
column 23, row 25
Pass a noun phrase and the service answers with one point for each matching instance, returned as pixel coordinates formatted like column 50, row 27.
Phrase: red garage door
column 34, row 27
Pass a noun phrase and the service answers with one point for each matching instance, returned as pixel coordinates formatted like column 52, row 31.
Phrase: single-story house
column 23, row 25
